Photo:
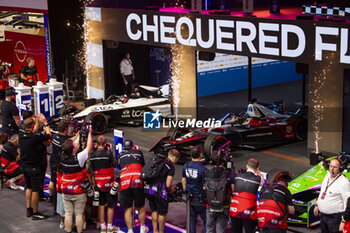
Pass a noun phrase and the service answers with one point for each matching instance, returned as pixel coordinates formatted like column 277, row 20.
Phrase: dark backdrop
column 113, row 53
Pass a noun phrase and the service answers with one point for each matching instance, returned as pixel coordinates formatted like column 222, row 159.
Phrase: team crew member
column 333, row 197
column 74, row 197
column 192, row 182
column 345, row 221
column 101, row 165
column 29, row 73
column 10, row 114
column 243, row 202
column 127, row 72
column 57, row 141
column 131, row 162
column 159, row 201
column 29, row 144
column 4, row 71
column 9, row 161
column 275, row 202
column 217, row 216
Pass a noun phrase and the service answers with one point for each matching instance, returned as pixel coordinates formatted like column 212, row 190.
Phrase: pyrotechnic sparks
column 316, row 98
column 176, row 73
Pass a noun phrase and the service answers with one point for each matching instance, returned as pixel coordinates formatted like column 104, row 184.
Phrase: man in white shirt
column 333, row 197
column 127, row 72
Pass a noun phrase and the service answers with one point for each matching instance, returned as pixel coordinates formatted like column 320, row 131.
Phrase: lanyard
column 329, row 184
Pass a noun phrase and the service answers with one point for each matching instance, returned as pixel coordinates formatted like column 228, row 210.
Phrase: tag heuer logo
column 151, row 120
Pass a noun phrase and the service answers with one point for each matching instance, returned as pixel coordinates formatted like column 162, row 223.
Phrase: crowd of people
column 85, row 174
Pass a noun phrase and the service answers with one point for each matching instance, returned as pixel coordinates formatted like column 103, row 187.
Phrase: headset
column 327, row 162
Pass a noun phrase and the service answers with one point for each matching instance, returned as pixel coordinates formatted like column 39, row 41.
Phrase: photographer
column 4, row 71
column 131, row 162
column 31, row 160
column 192, row 183
column 100, row 166
column 219, row 183
column 74, row 198
column 29, row 73
column 10, row 161
column 10, row 114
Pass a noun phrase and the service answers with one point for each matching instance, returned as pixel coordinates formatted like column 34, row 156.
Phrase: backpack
column 152, row 171
column 216, row 190
column 269, row 188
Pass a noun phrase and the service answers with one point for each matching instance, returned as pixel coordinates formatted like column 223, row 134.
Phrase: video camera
column 226, row 157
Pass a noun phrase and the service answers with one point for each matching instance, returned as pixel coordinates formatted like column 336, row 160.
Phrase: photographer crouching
column 100, row 166
column 72, row 166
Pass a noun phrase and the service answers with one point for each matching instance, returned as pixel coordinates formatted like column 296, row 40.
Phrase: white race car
column 119, row 109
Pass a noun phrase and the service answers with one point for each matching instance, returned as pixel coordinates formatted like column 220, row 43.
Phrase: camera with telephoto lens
column 83, row 135
column 96, row 200
column 7, row 64
column 86, row 186
column 175, row 193
column 114, row 188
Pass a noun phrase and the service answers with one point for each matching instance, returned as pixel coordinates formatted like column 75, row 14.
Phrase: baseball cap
column 10, row 92
column 128, row 144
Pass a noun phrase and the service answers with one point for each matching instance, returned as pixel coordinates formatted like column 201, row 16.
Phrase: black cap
column 128, row 144
column 10, row 92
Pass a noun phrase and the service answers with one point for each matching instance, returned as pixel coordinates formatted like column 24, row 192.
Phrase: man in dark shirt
column 10, row 114
column 31, row 161
column 275, row 202
column 159, row 202
column 57, row 140
column 131, row 162
column 217, row 217
column 192, row 182
column 9, row 159
column 29, row 73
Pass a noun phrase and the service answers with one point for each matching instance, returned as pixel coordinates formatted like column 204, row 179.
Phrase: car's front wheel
column 98, row 121
column 275, row 174
column 213, row 144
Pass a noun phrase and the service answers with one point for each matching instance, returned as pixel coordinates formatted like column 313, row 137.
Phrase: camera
column 7, row 64
column 175, row 194
column 96, row 200
column 114, row 188
column 85, row 185
column 84, row 133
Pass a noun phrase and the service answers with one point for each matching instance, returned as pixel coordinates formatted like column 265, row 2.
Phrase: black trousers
column 237, row 225
column 330, row 223
column 272, row 230
column 128, row 87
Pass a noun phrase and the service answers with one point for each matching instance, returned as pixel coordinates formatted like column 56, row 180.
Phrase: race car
column 259, row 127
column 306, row 188
column 119, row 109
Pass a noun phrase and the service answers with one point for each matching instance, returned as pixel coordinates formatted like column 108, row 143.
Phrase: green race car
column 306, row 188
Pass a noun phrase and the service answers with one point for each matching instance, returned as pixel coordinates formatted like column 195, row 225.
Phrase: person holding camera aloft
column 100, row 166
column 31, row 160
column 74, row 197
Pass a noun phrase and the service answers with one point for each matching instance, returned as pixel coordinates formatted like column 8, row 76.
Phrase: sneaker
column 12, row 184
column 145, row 231
column 29, row 212
column 98, row 226
column 61, row 225
column 39, row 216
column 84, row 226
column 112, row 229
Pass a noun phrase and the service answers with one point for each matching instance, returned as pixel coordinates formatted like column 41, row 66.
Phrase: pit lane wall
column 323, row 45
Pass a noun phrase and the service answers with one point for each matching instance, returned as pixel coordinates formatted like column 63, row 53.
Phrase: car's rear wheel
column 275, row 174
column 300, row 129
column 177, row 132
column 213, row 144
column 98, row 121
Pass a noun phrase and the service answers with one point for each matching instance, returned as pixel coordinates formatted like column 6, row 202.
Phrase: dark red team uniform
column 73, row 175
column 244, row 202
column 8, row 156
column 101, row 162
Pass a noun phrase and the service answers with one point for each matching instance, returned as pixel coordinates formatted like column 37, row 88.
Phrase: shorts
column 158, row 204
column 130, row 195
column 32, row 178
column 15, row 173
column 60, row 205
column 74, row 203
column 107, row 198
